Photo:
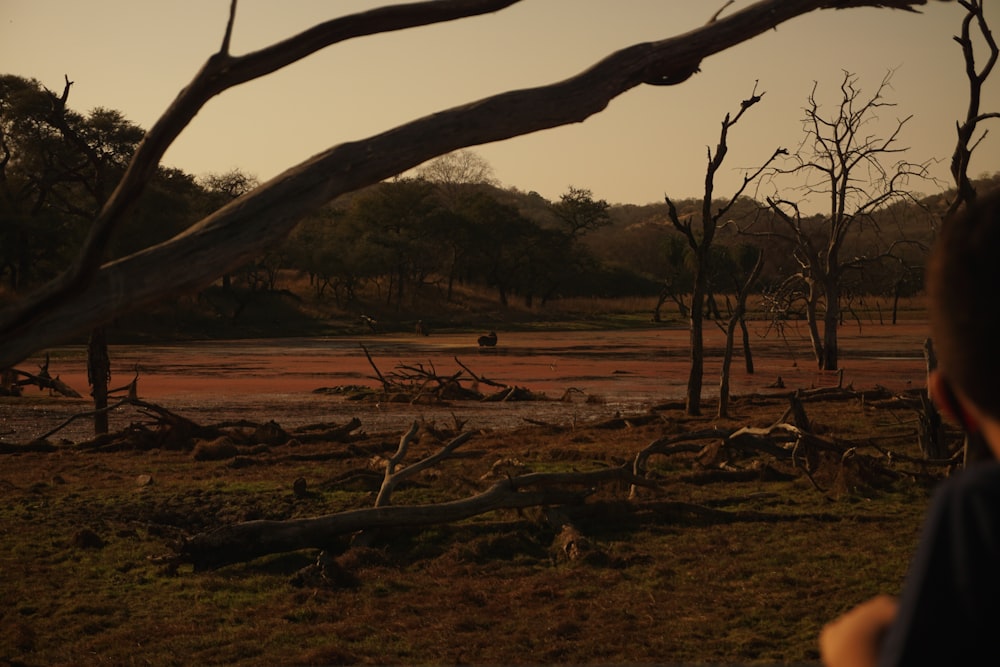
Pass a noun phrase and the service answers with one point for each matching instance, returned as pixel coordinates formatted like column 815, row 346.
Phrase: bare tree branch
column 966, row 129
column 221, row 72
column 841, row 154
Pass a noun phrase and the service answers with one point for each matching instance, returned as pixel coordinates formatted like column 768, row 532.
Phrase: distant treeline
column 424, row 235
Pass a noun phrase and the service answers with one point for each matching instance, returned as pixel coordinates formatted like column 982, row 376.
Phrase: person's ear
column 950, row 403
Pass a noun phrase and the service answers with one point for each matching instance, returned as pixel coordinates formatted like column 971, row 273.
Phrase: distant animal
column 421, row 328
column 489, row 340
column 371, row 322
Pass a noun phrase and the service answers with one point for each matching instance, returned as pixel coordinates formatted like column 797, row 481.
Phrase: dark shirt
column 949, row 610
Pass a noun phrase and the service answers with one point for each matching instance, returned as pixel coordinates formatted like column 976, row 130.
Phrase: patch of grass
column 728, row 572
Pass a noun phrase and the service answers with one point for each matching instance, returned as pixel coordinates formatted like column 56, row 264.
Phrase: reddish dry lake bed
column 623, row 372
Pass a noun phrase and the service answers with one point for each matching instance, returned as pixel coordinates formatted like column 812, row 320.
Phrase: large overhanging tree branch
column 89, row 294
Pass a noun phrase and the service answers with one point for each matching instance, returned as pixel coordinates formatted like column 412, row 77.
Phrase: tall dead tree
column 966, row 143
column 92, row 167
column 842, row 162
column 700, row 238
column 967, row 139
column 737, row 317
column 91, row 292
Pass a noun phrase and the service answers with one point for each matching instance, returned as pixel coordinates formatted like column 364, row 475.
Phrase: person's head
column 963, row 288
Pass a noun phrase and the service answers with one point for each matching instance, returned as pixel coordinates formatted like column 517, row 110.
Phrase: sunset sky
column 135, row 55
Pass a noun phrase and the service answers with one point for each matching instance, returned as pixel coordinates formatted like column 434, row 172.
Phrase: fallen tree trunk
column 44, row 381
column 245, row 541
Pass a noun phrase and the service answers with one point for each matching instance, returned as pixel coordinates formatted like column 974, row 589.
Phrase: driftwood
column 182, row 432
column 174, row 431
column 163, row 416
column 394, row 474
column 249, row 540
column 42, row 380
column 791, row 444
column 327, row 432
column 418, row 384
column 245, row 541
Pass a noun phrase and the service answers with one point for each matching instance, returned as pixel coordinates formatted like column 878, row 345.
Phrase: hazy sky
column 135, row 55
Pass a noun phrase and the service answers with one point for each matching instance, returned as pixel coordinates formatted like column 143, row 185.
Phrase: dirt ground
column 735, row 558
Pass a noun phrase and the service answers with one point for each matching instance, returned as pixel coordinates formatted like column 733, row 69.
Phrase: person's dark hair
column 963, row 289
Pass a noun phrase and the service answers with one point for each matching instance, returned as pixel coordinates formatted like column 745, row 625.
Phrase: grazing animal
column 489, row 340
column 371, row 322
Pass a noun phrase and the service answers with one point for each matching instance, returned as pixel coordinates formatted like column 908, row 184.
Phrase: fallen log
column 246, row 541
column 44, row 381
column 327, row 432
column 181, row 425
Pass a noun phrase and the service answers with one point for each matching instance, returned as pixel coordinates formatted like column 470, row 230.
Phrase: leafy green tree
column 399, row 218
column 501, row 242
column 57, row 170
column 553, row 263
column 173, row 200
column 220, row 189
column 456, row 238
column 457, row 177
column 579, row 213
column 337, row 252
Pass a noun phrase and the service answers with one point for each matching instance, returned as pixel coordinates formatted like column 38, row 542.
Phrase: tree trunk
column 895, row 300
column 727, row 360
column 747, row 354
column 737, row 317
column 241, row 542
column 98, row 375
column 831, row 320
column 817, row 342
column 693, row 400
column 452, row 272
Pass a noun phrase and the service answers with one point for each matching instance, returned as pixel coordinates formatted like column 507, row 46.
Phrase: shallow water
column 624, row 372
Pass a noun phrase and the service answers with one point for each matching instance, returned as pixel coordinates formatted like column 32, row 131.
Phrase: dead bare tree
column 736, row 318
column 700, row 241
column 90, row 292
column 837, row 155
column 967, row 142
